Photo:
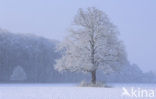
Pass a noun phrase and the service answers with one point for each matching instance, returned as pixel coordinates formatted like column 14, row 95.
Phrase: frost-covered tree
column 92, row 45
column 18, row 74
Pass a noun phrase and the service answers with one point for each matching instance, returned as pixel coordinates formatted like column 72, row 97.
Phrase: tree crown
column 92, row 44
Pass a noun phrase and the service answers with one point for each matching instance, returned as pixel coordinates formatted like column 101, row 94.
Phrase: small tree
column 18, row 74
column 93, row 44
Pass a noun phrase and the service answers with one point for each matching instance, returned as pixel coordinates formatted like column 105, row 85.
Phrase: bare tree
column 92, row 44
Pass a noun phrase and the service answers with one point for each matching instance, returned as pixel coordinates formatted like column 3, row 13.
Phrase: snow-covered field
column 71, row 91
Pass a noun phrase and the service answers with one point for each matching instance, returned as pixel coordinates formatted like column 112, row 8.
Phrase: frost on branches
column 92, row 44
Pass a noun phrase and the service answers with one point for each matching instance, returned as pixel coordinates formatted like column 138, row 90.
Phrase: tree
column 92, row 45
column 18, row 74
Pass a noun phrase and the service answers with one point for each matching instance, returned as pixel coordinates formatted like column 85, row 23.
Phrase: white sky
column 135, row 19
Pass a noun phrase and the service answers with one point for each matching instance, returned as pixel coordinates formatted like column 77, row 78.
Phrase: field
column 71, row 91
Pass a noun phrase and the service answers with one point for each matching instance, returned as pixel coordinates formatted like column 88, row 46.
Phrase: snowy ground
column 68, row 91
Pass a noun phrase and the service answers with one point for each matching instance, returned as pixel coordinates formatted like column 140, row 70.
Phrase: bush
column 98, row 84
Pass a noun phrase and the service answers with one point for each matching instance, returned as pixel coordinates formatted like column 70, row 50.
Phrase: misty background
column 48, row 18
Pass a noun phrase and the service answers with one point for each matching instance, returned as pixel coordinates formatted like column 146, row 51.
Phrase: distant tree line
column 35, row 56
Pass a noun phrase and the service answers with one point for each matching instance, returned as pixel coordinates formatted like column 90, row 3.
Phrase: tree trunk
column 93, row 77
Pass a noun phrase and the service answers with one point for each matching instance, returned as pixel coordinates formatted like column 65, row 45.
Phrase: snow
column 64, row 91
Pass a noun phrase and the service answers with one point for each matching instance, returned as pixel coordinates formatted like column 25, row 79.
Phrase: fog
column 135, row 21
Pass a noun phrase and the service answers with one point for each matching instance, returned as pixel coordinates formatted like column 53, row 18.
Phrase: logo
column 138, row 92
